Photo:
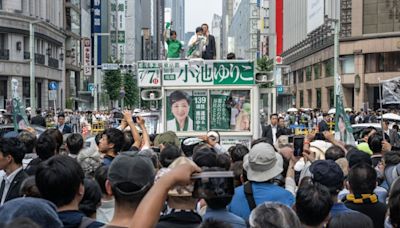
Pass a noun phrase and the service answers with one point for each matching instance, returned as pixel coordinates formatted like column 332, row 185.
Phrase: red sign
column 278, row 60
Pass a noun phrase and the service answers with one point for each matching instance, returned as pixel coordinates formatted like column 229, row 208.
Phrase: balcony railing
column 4, row 54
column 27, row 55
column 53, row 63
column 39, row 58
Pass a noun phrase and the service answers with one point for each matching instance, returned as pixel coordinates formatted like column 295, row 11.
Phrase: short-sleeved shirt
column 174, row 48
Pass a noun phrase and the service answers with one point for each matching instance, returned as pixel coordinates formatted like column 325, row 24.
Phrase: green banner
column 220, row 113
column 233, row 73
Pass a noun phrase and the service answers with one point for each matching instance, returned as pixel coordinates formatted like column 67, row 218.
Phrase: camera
column 215, row 184
column 134, row 119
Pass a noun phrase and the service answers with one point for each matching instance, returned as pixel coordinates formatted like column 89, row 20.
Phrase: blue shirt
column 338, row 208
column 262, row 192
column 225, row 216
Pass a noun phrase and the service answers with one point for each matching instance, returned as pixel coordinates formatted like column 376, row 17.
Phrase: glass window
column 382, row 62
column 308, row 73
column 317, row 71
column 331, row 97
column 301, row 99
column 319, row 101
column 380, row 16
column 300, row 73
column 347, row 64
column 329, row 70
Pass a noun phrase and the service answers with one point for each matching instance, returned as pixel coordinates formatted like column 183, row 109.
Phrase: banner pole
column 380, row 104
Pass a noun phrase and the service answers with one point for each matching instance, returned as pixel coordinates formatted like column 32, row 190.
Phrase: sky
column 198, row 12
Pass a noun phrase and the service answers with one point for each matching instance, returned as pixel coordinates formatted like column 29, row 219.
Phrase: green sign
column 233, row 73
column 186, row 73
column 220, row 113
column 121, row 37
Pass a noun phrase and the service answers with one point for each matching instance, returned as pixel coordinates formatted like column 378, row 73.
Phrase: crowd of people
column 127, row 178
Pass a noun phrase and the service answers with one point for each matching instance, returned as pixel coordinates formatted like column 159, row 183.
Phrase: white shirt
column 8, row 180
column 274, row 130
column 61, row 128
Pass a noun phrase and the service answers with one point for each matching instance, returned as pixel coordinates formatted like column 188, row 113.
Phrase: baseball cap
column 131, row 175
column 327, row 173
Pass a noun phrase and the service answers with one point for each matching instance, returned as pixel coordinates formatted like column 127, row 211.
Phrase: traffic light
column 129, row 68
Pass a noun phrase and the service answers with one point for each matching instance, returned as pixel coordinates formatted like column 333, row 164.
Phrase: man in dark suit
column 210, row 51
column 269, row 131
column 61, row 126
column 12, row 151
column 394, row 139
column 38, row 119
column 323, row 125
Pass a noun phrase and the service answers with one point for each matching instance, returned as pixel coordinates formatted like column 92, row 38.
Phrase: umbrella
column 28, row 109
column 67, row 110
column 3, row 110
column 292, row 110
column 348, row 109
column 306, row 109
column 332, row 111
column 390, row 116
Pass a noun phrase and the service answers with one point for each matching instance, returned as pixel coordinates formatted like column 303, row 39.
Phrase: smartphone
column 216, row 184
column 134, row 119
column 298, row 143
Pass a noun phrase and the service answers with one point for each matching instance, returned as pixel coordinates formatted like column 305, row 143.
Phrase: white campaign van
column 200, row 95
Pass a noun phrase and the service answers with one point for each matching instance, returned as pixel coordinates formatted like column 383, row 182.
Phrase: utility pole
column 32, row 66
column 96, row 83
column 336, row 59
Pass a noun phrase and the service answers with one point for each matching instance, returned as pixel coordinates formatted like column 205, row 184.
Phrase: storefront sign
column 87, row 57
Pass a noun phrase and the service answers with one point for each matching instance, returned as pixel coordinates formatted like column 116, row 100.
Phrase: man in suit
column 323, row 125
column 210, row 48
column 392, row 134
column 12, row 151
column 38, row 119
column 62, row 127
column 270, row 130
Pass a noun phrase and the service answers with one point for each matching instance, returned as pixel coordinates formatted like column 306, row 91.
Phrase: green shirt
column 174, row 48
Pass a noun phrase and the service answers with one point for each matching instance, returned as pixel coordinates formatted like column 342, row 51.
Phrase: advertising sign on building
column 96, row 26
column 315, row 14
column 149, row 74
column 87, row 57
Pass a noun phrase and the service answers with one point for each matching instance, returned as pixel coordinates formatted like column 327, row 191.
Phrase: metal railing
column 4, row 54
column 53, row 63
column 39, row 59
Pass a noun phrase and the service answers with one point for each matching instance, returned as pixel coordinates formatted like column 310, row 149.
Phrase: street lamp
column 32, row 65
column 96, row 86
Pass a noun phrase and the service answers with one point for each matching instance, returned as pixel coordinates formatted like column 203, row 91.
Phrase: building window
column 295, row 78
column 309, row 97
column 382, row 62
column 308, row 73
column 300, row 74
column 381, row 16
column 319, row 101
column 317, row 71
column 301, row 99
column 329, row 70
column 347, row 64
column 331, row 93
column 3, row 41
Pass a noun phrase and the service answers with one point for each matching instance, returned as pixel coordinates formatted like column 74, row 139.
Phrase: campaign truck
column 200, row 95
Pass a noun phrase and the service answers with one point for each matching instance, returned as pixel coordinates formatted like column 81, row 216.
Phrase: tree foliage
column 265, row 64
column 131, row 91
column 112, row 84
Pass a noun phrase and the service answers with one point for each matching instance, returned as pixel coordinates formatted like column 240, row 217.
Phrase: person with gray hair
column 274, row 215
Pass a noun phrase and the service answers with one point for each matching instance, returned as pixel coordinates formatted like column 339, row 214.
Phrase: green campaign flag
column 343, row 129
